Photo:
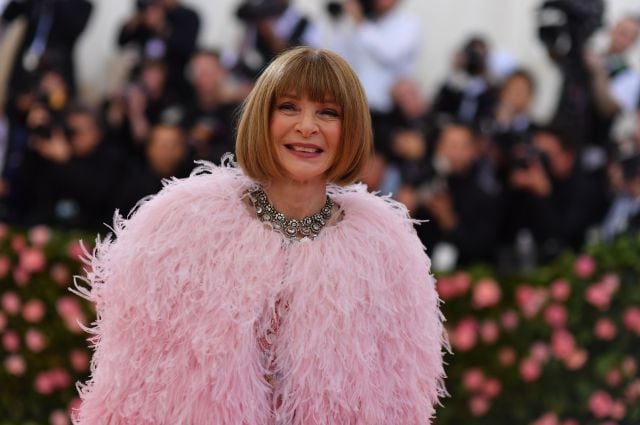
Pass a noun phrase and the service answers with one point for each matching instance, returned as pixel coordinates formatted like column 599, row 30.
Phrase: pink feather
column 184, row 289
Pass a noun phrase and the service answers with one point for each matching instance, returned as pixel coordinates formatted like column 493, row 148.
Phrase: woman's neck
column 297, row 199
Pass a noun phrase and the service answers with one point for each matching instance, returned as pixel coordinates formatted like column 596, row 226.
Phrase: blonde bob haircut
column 322, row 76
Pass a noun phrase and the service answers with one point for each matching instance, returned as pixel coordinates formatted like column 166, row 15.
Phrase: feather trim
column 181, row 289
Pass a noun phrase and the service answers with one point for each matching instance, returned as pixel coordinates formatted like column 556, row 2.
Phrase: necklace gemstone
column 291, row 228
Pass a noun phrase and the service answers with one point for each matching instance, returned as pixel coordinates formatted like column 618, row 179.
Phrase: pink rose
column 478, row 405
column 79, row 360
column 33, row 311
column 560, row 290
column 74, row 404
column 632, row 392
column 631, row 319
column 584, row 266
column 3, row 322
column 547, row 419
column 629, row 366
column 600, row 404
column 58, row 417
column 446, row 288
column 453, row 286
column 614, row 378
column 599, row 296
column 530, row 300
column 465, row 334
column 489, row 332
column 35, row 340
column 76, row 251
column 18, row 243
column 540, row 351
column 32, row 260
column 618, row 410
column 39, row 235
column 11, row 303
column 5, row 265
column 576, row 360
column 462, row 282
column 605, row 329
column 509, row 320
column 69, row 309
column 507, row 356
column 44, row 384
column 556, row 315
column 486, row 293
column 60, row 378
column 611, row 282
column 60, row 274
column 562, row 344
column 21, row 276
column 473, row 379
column 530, row 369
column 15, row 365
column 11, row 341
column 491, row 388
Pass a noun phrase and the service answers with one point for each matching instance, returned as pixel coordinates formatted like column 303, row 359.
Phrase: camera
column 474, row 53
column 250, row 11
column 335, row 9
column 142, row 5
column 564, row 26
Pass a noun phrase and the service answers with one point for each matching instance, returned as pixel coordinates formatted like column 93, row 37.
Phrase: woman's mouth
column 309, row 149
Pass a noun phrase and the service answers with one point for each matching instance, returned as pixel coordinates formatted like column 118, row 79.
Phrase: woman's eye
column 287, row 106
column 330, row 112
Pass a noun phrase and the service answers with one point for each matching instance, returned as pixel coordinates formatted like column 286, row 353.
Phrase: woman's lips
column 304, row 150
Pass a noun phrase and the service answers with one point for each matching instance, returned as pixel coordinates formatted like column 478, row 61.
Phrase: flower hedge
column 557, row 347
column 560, row 346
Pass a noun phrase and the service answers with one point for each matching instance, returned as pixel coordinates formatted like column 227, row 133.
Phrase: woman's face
column 306, row 135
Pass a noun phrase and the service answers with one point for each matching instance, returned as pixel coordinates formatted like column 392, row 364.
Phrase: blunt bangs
column 312, row 75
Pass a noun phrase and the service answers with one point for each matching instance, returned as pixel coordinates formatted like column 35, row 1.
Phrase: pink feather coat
column 191, row 281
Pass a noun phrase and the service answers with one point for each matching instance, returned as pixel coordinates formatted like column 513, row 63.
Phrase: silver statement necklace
column 291, row 228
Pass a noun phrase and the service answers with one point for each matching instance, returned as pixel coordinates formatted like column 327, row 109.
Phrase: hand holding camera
column 57, row 148
column 532, row 177
column 440, row 206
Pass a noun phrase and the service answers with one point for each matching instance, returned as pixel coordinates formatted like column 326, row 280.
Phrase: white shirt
column 625, row 89
column 381, row 51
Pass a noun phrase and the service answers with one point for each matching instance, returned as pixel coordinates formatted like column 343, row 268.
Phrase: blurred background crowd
column 496, row 184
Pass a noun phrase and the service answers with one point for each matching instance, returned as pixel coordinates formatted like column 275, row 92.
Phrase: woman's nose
column 307, row 125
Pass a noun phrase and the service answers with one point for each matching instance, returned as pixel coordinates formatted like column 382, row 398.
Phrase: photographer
column 460, row 198
column 468, row 94
column 624, row 215
column 52, row 29
column 211, row 109
column 163, row 30
column 69, row 173
column 552, row 194
column 381, row 42
column 48, row 94
column 596, row 87
column 166, row 155
column 271, row 27
column 511, row 123
column 147, row 100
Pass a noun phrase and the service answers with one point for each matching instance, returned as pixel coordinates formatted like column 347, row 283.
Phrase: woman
column 270, row 293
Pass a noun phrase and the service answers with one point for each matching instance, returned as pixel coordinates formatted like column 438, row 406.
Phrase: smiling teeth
column 307, row 150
